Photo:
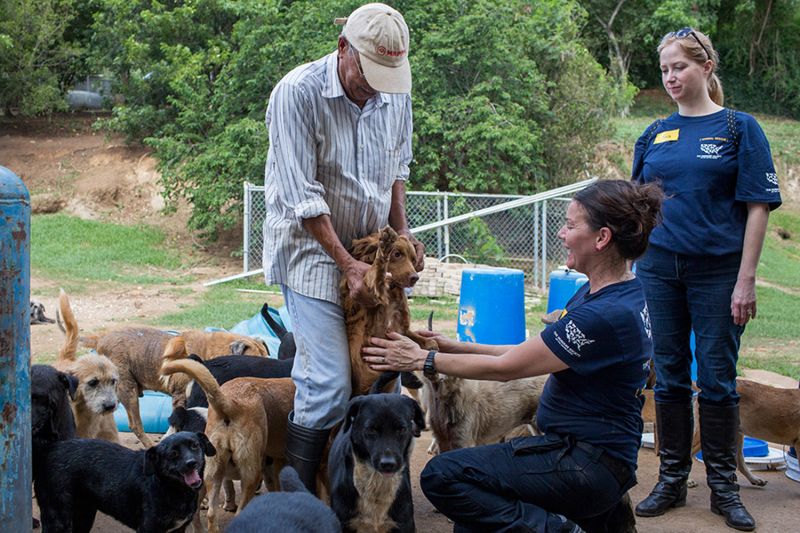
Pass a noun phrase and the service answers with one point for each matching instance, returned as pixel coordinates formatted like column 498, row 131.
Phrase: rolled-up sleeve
column 294, row 154
column 405, row 146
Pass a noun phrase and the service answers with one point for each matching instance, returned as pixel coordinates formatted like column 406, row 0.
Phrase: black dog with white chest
column 149, row 491
column 368, row 464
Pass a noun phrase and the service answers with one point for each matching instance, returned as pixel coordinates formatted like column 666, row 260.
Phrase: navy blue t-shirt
column 606, row 340
column 708, row 179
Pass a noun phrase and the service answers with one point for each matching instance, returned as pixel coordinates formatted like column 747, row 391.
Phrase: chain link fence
column 519, row 236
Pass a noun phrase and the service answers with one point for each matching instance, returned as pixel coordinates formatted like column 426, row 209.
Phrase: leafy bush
column 506, row 99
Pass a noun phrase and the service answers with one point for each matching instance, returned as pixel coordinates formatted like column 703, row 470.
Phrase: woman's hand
column 743, row 301
column 395, row 353
column 445, row 344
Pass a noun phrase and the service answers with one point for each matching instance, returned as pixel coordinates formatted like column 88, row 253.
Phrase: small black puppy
column 152, row 490
column 51, row 414
column 293, row 510
column 288, row 347
column 368, row 464
column 230, row 367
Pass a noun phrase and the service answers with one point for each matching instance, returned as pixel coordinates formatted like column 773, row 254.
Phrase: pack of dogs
column 231, row 403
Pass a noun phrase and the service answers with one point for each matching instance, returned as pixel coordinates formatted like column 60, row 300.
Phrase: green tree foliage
column 34, row 55
column 506, row 99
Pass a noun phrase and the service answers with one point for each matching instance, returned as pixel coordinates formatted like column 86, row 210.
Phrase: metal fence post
column 439, row 230
column 15, row 354
column 246, row 243
column 536, row 250
column 544, row 245
column 446, row 228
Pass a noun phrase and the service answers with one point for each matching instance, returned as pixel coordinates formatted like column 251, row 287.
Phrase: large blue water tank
column 491, row 307
column 563, row 284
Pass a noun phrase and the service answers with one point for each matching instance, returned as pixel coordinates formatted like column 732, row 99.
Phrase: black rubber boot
column 719, row 429
column 304, row 449
column 675, row 426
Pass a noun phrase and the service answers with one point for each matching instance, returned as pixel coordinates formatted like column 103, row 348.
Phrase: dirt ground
column 68, row 167
column 775, row 506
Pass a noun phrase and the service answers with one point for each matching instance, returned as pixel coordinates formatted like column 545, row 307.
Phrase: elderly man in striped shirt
column 340, row 146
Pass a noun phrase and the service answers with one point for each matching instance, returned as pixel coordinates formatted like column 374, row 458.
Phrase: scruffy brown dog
column 247, row 419
column 96, row 395
column 137, row 354
column 387, row 253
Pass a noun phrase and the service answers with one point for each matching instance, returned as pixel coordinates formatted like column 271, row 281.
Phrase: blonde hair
column 700, row 50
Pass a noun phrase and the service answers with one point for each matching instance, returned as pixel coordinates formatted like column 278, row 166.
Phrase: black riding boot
column 675, row 425
column 304, row 449
column 719, row 429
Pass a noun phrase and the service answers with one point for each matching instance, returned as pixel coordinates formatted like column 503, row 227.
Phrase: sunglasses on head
column 687, row 31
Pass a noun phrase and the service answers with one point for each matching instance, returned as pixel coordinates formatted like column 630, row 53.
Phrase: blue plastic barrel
column 491, row 307
column 154, row 408
column 563, row 284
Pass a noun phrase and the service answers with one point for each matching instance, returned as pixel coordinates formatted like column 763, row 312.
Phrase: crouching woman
column 573, row 477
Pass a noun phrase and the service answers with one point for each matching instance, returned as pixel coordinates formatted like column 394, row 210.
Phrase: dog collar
column 429, row 368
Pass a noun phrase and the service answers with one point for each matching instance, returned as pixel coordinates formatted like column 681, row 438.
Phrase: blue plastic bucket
column 154, row 408
column 491, row 307
column 750, row 448
column 563, row 285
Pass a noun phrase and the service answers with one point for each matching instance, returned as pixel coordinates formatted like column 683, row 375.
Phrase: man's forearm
column 322, row 230
column 397, row 209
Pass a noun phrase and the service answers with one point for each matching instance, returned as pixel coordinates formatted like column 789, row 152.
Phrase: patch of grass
column 785, row 365
column 777, row 315
column 69, row 248
column 222, row 306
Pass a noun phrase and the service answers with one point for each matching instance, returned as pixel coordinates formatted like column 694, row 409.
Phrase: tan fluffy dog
column 466, row 413
column 765, row 412
column 96, row 396
column 247, row 419
column 137, row 354
column 387, row 253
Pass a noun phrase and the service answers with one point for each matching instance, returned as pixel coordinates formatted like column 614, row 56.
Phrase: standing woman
column 575, row 475
column 716, row 170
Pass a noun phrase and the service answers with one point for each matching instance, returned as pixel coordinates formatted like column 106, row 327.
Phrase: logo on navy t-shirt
column 645, row 314
column 709, row 149
column 575, row 336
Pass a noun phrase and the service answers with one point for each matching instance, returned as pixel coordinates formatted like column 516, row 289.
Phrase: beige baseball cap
column 380, row 35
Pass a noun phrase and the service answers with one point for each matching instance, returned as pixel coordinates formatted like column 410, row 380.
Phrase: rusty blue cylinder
column 15, row 354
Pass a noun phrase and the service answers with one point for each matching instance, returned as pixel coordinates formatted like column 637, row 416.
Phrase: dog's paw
column 230, row 507
column 433, row 449
column 387, row 240
column 692, row 484
column 757, row 481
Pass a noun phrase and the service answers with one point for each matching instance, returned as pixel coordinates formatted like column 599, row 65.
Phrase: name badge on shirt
column 667, row 136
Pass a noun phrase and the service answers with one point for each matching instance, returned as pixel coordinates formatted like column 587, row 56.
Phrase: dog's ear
column 352, row 412
column 417, row 417
column 152, row 459
column 70, row 383
column 208, row 448
column 365, row 249
column 177, row 418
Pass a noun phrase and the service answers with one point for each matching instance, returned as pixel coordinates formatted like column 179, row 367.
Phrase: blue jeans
column 685, row 293
column 321, row 370
column 522, row 485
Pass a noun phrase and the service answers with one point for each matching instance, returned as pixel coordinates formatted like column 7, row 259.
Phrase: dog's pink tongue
column 192, row 479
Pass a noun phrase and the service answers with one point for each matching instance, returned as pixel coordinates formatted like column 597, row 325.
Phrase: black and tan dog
column 152, row 490
column 368, row 464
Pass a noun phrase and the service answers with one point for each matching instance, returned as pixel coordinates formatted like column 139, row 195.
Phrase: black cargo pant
column 525, row 484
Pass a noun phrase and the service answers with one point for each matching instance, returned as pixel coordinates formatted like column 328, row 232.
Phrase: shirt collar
column 333, row 86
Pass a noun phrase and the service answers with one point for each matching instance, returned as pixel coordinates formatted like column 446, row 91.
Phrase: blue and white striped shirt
column 327, row 156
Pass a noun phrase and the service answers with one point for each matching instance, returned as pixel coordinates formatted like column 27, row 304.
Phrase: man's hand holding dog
column 355, row 272
column 395, row 353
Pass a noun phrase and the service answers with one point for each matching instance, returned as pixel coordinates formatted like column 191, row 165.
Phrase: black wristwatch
column 429, row 368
